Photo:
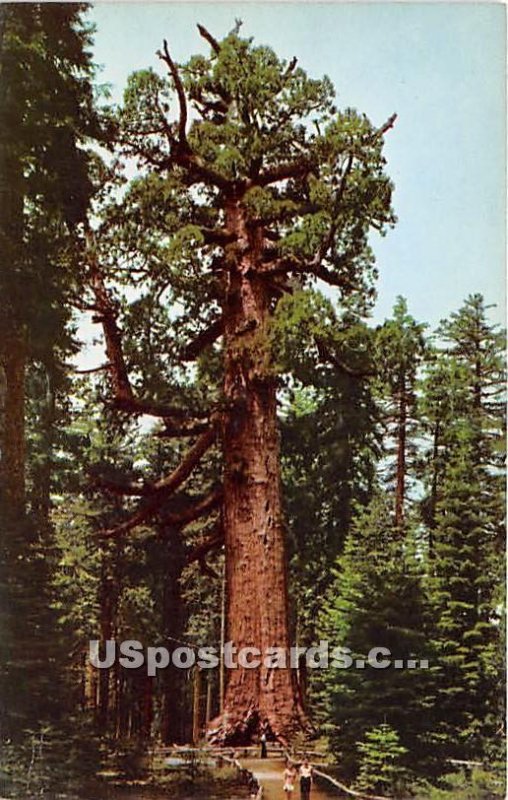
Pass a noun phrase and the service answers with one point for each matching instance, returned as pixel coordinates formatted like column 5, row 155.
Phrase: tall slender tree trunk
column 147, row 711
column 117, row 698
column 434, row 488
column 13, row 361
column 13, row 339
column 400, row 488
column 173, row 679
column 40, row 500
column 107, row 612
column 90, row 684
column 196, row 705
column 208, row 706
column 256, row 574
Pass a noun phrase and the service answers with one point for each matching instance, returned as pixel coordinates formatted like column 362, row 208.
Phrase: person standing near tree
column 264, row 751
column 306, row 772
column 289, row 779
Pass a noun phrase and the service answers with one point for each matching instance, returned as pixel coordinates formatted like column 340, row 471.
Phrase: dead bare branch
column 180, row 91
column 212, row 41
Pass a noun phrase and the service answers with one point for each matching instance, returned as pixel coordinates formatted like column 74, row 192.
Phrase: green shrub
column 380, row 760
column 479, row 784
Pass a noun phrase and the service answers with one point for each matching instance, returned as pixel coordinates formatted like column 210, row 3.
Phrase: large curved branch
column 203, row 340
column 212, row 41
column 316, row 263
column 292, row 169
column 122, row 489
column 211, row 543
column 328, row 241
column 197, row 167
column 184, row 155
column 205, row 506
column 286, row 264
column 303, row 165
column 184, row 469
column 197, row 170
column 151, row 409
column 186, row 427
column 218, row 236
column 182, row 100
column 106, row 313
column 142, row 514
column 164, row 487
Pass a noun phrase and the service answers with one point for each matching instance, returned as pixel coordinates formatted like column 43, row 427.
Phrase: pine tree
column 376, row 601
column 466, row 524
column 380, row 767
column 329, row 438
column 44, row 190
column 442, row 406
column 46, row 114
column 466, row 576
column 479, row 346
column 400, row 346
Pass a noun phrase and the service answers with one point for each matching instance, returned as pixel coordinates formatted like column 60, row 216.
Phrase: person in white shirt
column 305, row 779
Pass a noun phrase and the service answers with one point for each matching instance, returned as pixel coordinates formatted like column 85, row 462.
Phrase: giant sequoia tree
column 250, row 183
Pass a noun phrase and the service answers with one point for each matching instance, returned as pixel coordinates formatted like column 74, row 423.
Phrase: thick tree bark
column 256, row 579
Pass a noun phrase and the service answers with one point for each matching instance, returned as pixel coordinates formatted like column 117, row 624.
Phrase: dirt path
column 269, row 773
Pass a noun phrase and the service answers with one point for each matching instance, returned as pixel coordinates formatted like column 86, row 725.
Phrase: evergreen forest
column 251, row 458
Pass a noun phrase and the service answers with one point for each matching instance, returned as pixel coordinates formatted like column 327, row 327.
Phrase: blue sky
column 440, row 66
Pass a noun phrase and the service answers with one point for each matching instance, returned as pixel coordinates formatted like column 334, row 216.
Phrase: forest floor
column 269, row 773
column 153, row 793
column 239, row 792
column 213, row 784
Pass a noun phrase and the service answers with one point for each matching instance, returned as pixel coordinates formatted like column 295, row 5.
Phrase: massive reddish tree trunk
column 256, row 575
